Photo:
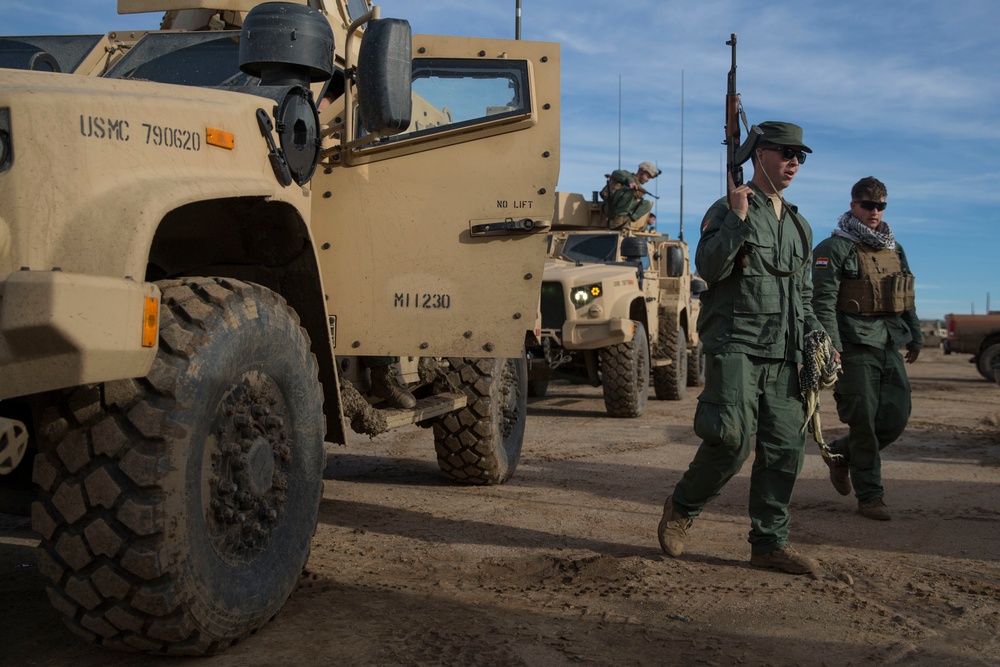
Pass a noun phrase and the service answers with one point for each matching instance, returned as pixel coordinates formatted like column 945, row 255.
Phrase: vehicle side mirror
column 385, row 75
column 675, row 261
column 633, row 248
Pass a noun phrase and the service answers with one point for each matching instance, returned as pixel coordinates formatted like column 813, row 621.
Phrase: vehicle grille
column 553, row 306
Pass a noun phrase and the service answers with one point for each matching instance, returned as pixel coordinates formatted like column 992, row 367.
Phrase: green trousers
column 746, row 396
column 873, row 399
column 625, row 210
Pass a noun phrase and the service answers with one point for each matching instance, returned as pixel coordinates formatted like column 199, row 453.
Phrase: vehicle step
column 656, row 363
column 432, row 406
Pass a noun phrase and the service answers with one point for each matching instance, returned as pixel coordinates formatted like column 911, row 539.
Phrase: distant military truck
column 196, row 257
column 616, row 308
column 978, row 335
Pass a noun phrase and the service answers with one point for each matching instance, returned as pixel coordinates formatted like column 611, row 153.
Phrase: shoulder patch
column 821, row 262
column 704, row 223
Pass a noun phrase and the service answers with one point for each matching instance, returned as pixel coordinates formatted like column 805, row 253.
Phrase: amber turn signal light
column 150, row 321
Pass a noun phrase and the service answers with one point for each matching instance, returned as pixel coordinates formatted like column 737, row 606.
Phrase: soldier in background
column 863, row 294
column 651, row 223
column 386, row 384
column 624, row 196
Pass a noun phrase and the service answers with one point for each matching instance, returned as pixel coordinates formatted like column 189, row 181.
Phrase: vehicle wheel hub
column 248, row 467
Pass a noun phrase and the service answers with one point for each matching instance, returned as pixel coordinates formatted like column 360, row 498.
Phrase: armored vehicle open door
column 483, row 111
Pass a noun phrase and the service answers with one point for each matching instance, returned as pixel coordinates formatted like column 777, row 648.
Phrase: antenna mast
column 680, row 235
column 517, row 22
column 619, row 121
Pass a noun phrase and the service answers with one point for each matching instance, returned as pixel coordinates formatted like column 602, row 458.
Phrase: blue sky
column 904, row 91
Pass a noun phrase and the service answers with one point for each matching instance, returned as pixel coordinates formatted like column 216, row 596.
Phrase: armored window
column 188, row 59
column 66, row 51
column 591, row 248
column 357, row 8
column 456, row 93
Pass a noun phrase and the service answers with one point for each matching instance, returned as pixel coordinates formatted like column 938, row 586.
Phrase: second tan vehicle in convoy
column 617, row 307
column 205, row 232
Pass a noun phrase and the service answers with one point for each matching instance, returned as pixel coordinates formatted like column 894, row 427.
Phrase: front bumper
column 595, row 334
column 62, row 330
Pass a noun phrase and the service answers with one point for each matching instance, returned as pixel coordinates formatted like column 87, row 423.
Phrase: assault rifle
column 644, row 191
column 737, row 154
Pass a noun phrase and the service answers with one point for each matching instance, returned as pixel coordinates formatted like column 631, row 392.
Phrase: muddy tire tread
column 102, row 485
column 470, row 444
column 625, row 375
column 670, row 382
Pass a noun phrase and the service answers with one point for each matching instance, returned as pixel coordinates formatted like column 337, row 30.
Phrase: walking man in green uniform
column 754, row 317
column 864, row 297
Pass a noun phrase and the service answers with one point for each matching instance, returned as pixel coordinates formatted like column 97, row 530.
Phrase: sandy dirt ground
column 560, row 566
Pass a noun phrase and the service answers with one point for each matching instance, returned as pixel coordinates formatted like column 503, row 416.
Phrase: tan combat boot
column 840, row 476
column 386, row 385
column 785, row 559
column 874, row 509
column 672, row 530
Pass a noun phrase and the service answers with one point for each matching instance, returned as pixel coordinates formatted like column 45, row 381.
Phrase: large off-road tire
column 986, row 360
column 625, row 375
column 481, row 443
column 670, row 381
column 696, row 366
column 176, row 511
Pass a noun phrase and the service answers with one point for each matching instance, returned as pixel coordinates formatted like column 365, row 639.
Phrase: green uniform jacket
column 625, row 198
column 839, row 259
column 746, row 309
column 623, row 176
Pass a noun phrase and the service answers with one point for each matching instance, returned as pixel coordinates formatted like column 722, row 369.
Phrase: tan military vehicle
column 616, row 307
column 195, row 259
column 978, row 335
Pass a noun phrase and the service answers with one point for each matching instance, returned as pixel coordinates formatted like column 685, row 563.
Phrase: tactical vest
column 881, row 288
column 611, row 187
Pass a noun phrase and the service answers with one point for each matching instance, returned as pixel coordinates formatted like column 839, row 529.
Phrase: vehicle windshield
column 591, row 248
column 185, row 58
column 67, row 50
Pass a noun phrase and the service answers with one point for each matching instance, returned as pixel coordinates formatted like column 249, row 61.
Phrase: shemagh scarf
column 850, row 227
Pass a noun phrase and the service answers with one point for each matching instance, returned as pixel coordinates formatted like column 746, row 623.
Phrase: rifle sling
column 775, row 271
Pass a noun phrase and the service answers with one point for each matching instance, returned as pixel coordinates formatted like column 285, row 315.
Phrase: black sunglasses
column 871, row 205
column 788, row 153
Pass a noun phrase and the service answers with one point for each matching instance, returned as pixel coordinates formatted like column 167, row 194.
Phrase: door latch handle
column 508, row 226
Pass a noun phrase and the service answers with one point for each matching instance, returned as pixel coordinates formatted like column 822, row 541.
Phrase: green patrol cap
column 783, row 134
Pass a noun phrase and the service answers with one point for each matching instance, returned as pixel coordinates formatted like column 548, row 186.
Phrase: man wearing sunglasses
column 755, row 312
column 863, row 294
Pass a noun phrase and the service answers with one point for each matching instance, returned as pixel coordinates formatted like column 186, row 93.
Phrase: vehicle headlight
column 582, row 296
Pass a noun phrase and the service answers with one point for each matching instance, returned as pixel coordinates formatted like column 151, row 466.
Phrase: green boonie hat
column 783, row 134
column 650, row 169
